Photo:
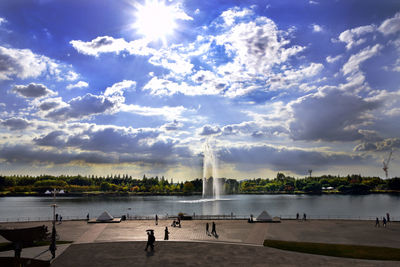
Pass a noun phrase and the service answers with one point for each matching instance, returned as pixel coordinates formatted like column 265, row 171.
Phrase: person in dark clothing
column 207, row 229
column 213, row 230
column 56, row 217
column 297, row 216
column 150, row 240
column 377, row 222
column 388, row 217
column 156, row 219
column 87, row 217
column 166, row 233
column 304, row 217
column 384, row 222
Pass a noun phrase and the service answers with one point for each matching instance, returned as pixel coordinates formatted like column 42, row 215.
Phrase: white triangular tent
column 264, row 217
column 105, row 216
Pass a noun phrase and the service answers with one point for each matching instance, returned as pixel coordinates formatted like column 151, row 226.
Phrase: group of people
column 304, row 216
column 151, row 239
column 58, row 218
column 176, row 223
column 385, row 220
column 213, row 230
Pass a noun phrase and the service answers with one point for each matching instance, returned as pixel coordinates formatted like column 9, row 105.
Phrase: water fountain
column 212, row 186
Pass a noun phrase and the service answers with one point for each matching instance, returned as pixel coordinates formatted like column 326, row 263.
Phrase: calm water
column 365, row 207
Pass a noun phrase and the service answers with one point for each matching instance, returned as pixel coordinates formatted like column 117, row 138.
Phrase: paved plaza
column 238, row 242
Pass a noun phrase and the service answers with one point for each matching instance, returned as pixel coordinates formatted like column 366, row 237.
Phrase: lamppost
column 53, row 246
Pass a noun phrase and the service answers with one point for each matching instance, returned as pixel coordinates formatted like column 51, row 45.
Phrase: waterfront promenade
column 240, row 243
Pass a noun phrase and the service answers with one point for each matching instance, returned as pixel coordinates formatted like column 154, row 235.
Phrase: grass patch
column 9, row 246
column 338, row 250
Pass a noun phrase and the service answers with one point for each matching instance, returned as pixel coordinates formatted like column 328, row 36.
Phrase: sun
column 155, row 20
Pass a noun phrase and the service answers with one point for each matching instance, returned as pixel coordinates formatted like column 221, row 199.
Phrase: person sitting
column 173, row 223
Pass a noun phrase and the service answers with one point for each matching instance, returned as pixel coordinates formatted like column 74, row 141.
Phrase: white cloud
column 352, row 36
column 209, row 130
column 2, row 20
column 354, row 62
column 80, row 84
column 255, row 47
column 23, row 64
column 330, row 59
column 317, row 28
column 390, row 26
column 159, row 86
column 293, row 77
column 312, row 2
column 107, row 44
column 170, row 113
column 88, row 105
column 71, row 76
column 231, row 15
column 32, row 90
column 120, row 87
column 197, row 11
column 172, row 126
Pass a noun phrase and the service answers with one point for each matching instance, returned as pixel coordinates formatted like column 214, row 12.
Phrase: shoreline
column 102, row 194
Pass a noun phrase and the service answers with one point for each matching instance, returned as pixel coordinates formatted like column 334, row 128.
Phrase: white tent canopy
column 264, row 217
column 105, row 216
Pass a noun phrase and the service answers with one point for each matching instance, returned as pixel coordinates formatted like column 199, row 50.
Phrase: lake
column 315, row 206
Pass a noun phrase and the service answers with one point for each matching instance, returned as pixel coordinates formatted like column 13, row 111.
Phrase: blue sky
column 134, row 87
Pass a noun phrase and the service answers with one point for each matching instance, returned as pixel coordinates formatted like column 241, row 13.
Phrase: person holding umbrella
column 150, row 239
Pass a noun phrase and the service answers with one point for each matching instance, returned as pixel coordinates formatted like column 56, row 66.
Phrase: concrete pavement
column 125, row 242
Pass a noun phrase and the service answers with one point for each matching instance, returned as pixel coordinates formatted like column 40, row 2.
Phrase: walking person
column 207, row 229
column 156, row 219
column 213, row 230
column 305, row 217
column 150, row 240
column 166, row 233
column 387, row 217
column 297, row 216
column 87, row 217
column 384, row 222
column 377, row 222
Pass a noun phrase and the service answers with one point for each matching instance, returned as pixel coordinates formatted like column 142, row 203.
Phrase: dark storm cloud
column 28, row 154
column 111, row 139
column 32, row 90
column 55, row 139
column 15, row 123
column 329, row 115
column 295, row 160
column 81, row 107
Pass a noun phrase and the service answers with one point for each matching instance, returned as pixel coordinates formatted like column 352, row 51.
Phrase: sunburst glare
column 155, row 20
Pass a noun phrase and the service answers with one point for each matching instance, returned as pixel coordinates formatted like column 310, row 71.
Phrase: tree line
column 351, row 184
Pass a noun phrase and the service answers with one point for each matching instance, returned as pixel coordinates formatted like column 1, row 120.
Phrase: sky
column 101, row 87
